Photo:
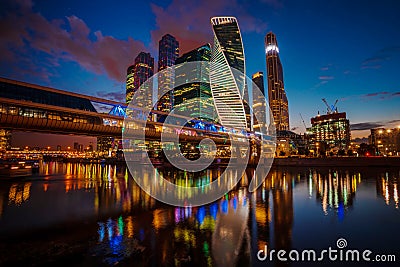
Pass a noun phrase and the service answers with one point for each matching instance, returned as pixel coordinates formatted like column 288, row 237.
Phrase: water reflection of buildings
column 219, row 234
column 335, row 189
column 19, row 193
column 281, row 184
column 235, row 226
column 387, row 187
column 181, row 235
column 69, row 192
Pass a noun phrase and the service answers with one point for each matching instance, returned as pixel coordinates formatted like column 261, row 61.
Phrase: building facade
column 194, row 99
column 168, row 52
column 386, row 141
column 330, row 133
column 278, row 102
column 259, row 107
column 138, row 73
column 228, row 88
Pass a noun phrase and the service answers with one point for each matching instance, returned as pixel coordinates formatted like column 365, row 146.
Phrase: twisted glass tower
column 227, row 84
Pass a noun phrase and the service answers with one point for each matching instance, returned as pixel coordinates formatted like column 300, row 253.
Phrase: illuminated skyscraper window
column 277, row 98
column 259, row 107
column 168, row 52
column 138, row 73
column 194, row 98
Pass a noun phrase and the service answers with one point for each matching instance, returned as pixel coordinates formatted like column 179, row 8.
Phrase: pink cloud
column 326, row 78
column 64, row 39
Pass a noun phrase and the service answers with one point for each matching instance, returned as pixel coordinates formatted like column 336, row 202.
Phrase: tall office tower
column 228, row 87
column 259, row 105
column 278, row 102
column 194, row 99
column 137, row 74
column 168, row 52
column 258, row 79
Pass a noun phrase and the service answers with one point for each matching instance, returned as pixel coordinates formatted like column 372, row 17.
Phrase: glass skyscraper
column 259, row 107
column 194, row 98
column 277, row 98
column 168, row 52
column 228, row 86
column 137, row 74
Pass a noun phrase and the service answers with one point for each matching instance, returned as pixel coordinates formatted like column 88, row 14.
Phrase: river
column 96, row 215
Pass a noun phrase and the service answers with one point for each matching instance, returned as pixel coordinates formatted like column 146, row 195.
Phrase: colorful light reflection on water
column 294, row 208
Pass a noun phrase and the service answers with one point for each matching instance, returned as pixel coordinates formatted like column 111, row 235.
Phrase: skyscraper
column 168, row 51
column 228, row 87
column 194, row 98
column 259, row 107
column 138, row 73
column 277, row 98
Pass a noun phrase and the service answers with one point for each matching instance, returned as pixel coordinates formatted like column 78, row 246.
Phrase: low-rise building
column 330, row 133
column 386, row 141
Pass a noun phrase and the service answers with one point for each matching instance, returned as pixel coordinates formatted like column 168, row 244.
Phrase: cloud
column 376, row 66
column 373, row 124
column 326, row 78
column 396, row 94
column 116, row 96
column 327, row 67
column 319, row 84
column 375, row 94
column 189, row 22
column 26, row 34
column 390, row 49
column 365, row 126
column 394, row 121
column 375, row 59
column 381, row 56
column 381, row 95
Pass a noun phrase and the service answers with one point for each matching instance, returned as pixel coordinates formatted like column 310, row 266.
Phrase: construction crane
column 330, row 109
column 303, row 121
column 334, row 107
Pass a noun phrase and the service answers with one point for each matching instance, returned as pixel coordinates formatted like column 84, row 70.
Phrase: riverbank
column 339, row 162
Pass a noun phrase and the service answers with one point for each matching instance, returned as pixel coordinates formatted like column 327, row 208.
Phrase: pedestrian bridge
column 29, row 107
